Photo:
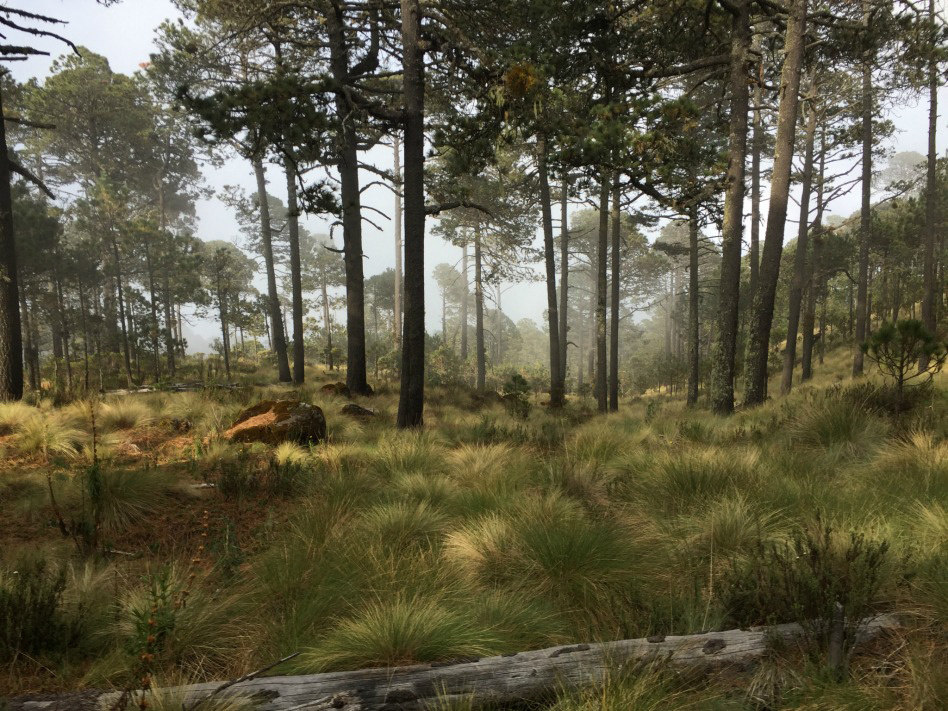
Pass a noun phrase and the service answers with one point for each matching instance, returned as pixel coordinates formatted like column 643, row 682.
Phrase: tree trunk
column 278, row 337
column 11, row 337
column 464, row 298
column 26, row 354
column 694, row 303
column 614, row 298
column 865, row 215
column 490, row 682
column 85, row 335
column 762, row 312
column 126, row 353
column 757, row 147
column 725, row 346
column 63, row 318
column 347, row 163
column 800, row 257
column 930, row 284
column 153, row 304
column 815, row 276
column 397, row 316
column 225, row 327
column 296, row 279
column 564, row 282
column 411, row 400
column 166, row 284
column 327, row 321
column 480, row 355
column 556, row 381
column 601, row 296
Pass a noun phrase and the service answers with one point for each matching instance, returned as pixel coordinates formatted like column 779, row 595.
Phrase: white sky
column 124, row 34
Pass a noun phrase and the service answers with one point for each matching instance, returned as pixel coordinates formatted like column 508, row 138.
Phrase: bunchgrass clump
column 399, row 631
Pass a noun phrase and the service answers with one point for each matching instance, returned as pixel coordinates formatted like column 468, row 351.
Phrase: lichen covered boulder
column 276, row 421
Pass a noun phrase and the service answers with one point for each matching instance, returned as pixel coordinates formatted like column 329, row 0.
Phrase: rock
column 275, row 421
column 357, row 411
column 335, row 389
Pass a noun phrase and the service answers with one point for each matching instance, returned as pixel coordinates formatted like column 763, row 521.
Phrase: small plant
column 31, row 620
column 828, row 584
column 515, row 395
column 900, row 349
column 652, row 409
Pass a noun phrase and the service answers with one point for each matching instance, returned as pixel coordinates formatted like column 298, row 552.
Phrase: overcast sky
column 124, row 34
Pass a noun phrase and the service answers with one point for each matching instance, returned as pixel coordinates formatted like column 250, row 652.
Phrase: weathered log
column 492, row 680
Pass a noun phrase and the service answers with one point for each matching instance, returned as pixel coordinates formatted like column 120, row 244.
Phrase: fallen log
column 481, row 682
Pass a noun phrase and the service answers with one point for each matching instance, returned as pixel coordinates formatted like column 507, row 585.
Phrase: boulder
column 357, row 411
column 335, row 389
column 275, row 421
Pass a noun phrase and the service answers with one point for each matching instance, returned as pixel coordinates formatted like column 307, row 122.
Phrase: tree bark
column 166, row 283
column 930, row 284
column 564, row 282
column 601, row 296
column 411, row 400
column 11, row 337
column 225, row 327
column 762, row 312
column 480, row 355
column 347, row 163
column 556, row 381
column 490, row 682
column 296, row 278
column 865, row 215
column 725, row 346
column 614, row 297
column 278, row 337
column 126, row 353
column 757, row 147
column 464, row 298
column 153, row 305
column 694, row 303
column 397, row 318
column 327, row 320
column 800, row 261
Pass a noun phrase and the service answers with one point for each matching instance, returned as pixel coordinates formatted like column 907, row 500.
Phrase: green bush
column 899, row 348
column 515, row 395
column 803, row 579
column 31, row 619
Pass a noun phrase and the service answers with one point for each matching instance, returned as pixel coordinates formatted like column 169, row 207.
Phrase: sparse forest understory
column 186, row 557
column 729, row 413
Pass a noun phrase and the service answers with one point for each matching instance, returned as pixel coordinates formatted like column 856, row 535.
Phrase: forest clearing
column 394, row 355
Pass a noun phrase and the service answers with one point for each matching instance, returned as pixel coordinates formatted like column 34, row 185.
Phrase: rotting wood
column 491, row 680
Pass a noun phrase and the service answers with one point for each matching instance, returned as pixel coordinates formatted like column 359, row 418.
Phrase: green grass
column 487, row 534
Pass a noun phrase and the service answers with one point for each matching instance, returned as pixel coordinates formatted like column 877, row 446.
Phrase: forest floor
column 185, row 557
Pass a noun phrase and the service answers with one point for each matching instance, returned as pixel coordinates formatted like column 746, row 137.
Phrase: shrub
column 515, row 394
column 31, row 619
column 804, row 579
column 195, row 630
column 899, row 348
